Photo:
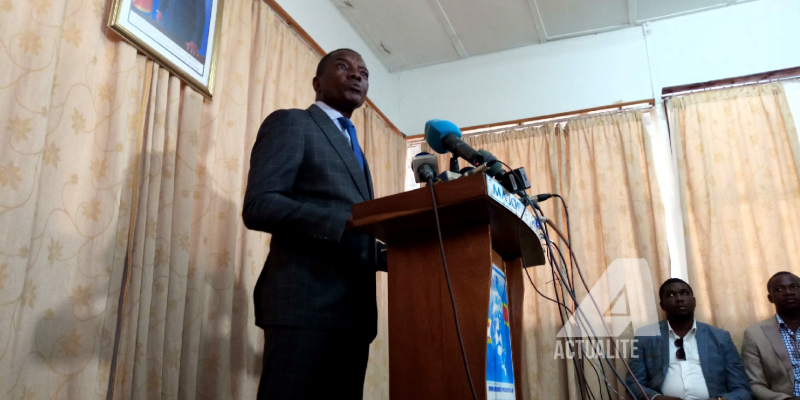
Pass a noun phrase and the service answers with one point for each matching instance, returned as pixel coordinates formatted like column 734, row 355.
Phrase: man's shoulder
column 289, row 113
column 756, row 329
column 713, row 330
column 652, row 330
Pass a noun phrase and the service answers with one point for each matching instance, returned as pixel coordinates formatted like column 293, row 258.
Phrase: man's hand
column 159, row 17
column 191, row 48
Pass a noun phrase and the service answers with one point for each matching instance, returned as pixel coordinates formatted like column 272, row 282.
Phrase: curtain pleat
column 105, row 156
column 738, row 158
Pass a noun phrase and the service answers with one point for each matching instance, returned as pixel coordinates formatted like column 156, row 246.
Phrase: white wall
column 326, row 25
column 535, row 80
column 733, row 41
column 584, row 72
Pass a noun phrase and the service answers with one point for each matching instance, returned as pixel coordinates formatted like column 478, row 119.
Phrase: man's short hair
column 323, row 63
column 670, row 281
column 777, row 274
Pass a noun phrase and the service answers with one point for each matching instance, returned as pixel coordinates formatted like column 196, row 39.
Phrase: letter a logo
column 624, row 296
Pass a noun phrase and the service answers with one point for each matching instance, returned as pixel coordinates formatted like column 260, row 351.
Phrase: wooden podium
column 479, row 229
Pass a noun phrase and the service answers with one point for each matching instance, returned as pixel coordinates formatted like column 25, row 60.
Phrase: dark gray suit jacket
column 722, row 367
column 304, row 179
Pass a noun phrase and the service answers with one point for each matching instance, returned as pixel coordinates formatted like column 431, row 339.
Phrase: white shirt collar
column 691, row 331
column 332, row 114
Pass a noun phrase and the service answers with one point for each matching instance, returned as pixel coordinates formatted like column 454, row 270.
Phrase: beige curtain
column 70, row 111
column 99, row 142
column 737, row 152
column 603, row 167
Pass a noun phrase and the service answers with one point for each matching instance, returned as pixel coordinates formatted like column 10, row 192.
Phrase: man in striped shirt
column 770, row 350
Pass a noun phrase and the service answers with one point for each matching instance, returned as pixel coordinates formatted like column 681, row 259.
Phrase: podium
column 487, row 233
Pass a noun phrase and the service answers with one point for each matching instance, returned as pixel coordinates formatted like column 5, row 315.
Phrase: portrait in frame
column 180, row 35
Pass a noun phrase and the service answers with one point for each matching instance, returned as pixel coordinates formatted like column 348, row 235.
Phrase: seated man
column 681, row 359
column 770, row 350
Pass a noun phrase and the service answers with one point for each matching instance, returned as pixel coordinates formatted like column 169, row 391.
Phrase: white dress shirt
column 334, row 116
column 685, row 378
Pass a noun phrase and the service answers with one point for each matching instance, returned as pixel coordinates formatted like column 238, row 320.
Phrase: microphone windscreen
column 435, row 130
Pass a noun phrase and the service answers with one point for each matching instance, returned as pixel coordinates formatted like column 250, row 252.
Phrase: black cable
column 596, row 339
column 528, row 201
column 560, row 314
column 450, row 288
column 569, row 239
column 574, row 299
column 561, row 235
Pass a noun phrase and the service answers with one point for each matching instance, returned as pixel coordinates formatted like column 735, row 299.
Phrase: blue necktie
column 351, row 130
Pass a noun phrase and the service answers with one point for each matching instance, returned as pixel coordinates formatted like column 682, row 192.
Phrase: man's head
column 342, row 81
column 677, row 299
column 784, row 291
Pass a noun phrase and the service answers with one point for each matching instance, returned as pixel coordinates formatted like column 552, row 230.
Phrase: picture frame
column 180, row 35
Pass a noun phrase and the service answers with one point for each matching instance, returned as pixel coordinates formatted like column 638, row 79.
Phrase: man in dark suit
column 315, row 298
column 682, row 359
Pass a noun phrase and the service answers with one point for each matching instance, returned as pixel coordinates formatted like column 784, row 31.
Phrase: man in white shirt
column 689, row 360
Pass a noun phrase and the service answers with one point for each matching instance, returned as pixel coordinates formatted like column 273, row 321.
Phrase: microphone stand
column 454, row 164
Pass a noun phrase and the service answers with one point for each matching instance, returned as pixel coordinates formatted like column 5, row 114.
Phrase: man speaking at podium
column 315, row 298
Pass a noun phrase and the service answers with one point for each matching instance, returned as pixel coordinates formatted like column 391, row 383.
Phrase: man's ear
column 769, row 297
column 316, row 84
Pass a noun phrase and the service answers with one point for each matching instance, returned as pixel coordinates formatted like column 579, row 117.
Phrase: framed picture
column 181, row 35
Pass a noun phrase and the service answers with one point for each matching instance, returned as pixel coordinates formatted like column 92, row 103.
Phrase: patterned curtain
column 603, row 167
column 105, row 156
column 738, row 158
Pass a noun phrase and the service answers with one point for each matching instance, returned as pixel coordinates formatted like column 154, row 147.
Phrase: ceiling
column 406, row 34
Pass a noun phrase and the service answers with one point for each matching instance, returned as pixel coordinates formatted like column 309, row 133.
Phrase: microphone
column 495, row 169
column 425, row 167
column 514, row 181
column 444, row 136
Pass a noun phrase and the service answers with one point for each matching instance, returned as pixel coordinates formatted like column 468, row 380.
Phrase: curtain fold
column 603, row 167
column 105, row 156
column 70, row 110
column 738, row 155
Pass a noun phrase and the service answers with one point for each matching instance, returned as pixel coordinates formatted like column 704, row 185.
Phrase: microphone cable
column 527, row 201
column 450, row 288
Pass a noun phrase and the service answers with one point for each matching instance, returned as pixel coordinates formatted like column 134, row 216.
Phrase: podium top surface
column 462, row 203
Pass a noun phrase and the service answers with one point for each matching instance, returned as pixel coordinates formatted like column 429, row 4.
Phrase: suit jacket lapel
column 773, row 334
column 338, row 141
column 369, row 179
column 665, row 348
column 700, row 336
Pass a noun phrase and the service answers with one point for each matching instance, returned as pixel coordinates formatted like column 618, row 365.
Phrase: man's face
column 678, row 300
column 784, row 291
column 344, row 83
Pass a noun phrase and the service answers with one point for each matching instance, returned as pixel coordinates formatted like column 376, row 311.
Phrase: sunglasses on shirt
column 680, row 354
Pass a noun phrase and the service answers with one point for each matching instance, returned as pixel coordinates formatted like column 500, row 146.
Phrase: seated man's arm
column 268, row 202
column 755, row 371
column 738, row 384
column 638, row 367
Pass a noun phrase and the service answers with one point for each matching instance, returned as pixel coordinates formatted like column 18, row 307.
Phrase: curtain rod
column 421, row 138
column 730, row 85
column 733, row 85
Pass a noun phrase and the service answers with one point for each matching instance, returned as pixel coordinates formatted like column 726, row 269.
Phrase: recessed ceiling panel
column 404, row 33
column 651, row 9
column 489, row 26
column 568, row 17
